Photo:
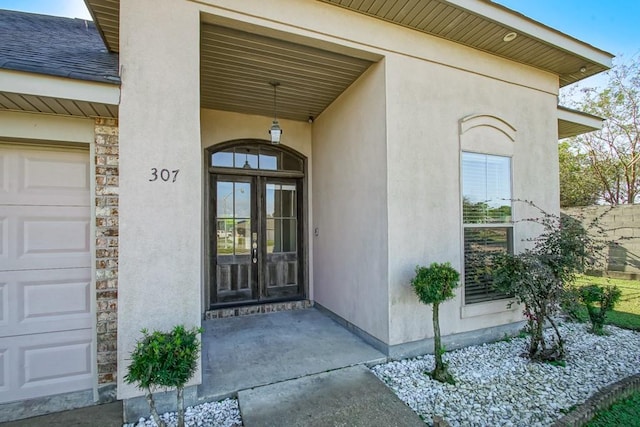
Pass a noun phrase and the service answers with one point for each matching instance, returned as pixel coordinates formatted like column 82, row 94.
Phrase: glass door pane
column 234, row 271
column 281, row 239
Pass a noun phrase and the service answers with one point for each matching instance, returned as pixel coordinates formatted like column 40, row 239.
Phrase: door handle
column 254, row 252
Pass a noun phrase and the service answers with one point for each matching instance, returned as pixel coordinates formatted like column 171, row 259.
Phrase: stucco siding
column 425, row 103
column 19, row 126
column 222, row 126
column 350, row 205
column 160, row 240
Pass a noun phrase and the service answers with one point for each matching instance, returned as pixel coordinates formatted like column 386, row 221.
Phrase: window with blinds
column 486, row 216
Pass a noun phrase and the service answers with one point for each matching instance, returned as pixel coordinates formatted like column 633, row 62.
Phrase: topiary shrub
column 434, row 285
column 164, row 360
column 599, row 300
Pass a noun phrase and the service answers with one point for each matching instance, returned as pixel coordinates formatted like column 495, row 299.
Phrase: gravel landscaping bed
column 497, row 386
column 219, row 414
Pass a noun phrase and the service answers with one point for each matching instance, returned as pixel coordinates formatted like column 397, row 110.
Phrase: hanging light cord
column 275, row 99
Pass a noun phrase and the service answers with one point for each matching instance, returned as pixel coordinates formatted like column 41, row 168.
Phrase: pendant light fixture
column 246, row 161
column 275, row 131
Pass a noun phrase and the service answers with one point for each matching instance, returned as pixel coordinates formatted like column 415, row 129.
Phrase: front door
column 256, row 236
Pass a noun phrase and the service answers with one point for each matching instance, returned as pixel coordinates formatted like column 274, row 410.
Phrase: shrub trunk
column 152, row 406
column 180, row 396
column 440, row 372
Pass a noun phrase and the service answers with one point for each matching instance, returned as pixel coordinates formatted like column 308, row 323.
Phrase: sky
column 610, row 25
column 68, row 8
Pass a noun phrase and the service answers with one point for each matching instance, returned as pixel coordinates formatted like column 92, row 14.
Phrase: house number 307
column 164, row 174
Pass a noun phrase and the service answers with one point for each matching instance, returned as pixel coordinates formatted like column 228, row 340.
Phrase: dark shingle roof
column 55, row 46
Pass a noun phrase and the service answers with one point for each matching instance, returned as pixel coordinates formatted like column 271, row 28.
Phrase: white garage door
column 45, row 272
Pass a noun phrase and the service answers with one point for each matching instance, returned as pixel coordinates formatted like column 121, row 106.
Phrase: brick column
column 106, row 147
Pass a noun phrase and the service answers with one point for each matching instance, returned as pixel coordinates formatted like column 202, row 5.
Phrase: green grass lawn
column 627, row 311
column 625, row 412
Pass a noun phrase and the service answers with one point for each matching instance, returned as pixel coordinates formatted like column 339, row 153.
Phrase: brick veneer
column 106, row 199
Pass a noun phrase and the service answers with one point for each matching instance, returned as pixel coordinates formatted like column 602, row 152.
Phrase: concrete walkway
column 351, row 397
column 108, row 415
column 294, row 368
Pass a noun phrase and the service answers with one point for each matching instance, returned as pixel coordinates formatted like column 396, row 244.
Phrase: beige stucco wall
column 222, row 126
column 350, row 205
column 160, row 240
column 385, row 161
column 425, row 103
column 18, row 126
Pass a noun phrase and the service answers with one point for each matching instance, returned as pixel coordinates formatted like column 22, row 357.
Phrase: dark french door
column 256, row 238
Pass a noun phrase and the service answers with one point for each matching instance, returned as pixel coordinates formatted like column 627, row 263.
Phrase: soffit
column 54, row 105
column 106, row 15
column 573, row 122
column 236, row 68
column 482, row 25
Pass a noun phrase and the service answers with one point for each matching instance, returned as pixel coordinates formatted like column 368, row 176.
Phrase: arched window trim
column 477, row 120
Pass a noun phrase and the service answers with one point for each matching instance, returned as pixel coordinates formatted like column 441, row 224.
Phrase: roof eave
column 110, row 14
column 573, row 122
column 522, row 23
column 596, row 60
column 97, row 24
column 568, row 58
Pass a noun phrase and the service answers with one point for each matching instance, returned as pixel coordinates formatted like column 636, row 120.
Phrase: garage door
column 45, row 272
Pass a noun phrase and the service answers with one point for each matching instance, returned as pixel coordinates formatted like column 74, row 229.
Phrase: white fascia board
column 59, row 87
column 524, row 25
column 578, row 117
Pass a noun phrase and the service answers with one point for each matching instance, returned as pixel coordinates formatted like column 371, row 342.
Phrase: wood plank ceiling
column 236, row 68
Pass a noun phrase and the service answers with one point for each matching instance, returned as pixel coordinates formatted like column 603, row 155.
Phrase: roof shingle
column 51, row 45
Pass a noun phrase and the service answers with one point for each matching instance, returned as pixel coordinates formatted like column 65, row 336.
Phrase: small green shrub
column 571, row 305
column 434, row 285
column 164, row 360
column 599, row 300
column 539, row 277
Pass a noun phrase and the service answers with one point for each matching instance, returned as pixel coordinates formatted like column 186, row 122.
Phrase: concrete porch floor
column 241, row 353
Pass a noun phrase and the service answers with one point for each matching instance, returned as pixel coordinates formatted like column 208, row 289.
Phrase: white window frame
column 509, row 225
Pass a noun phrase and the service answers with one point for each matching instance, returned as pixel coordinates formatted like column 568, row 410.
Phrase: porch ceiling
column 236, row 68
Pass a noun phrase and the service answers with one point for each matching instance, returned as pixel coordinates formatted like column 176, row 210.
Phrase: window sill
column 485, row 308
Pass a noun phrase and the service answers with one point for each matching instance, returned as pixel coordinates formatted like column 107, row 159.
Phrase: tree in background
column 578, row 184
column 614, row 151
